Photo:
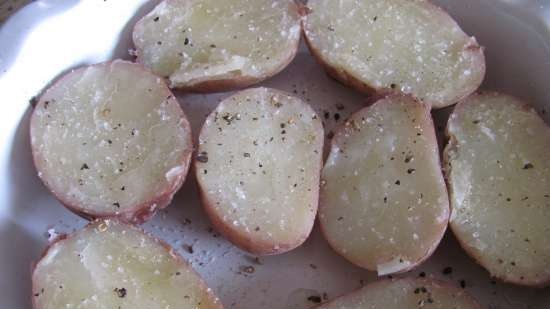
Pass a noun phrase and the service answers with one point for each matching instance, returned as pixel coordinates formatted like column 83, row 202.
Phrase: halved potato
column 498, row 170
column 405, row 293
column 212, row 45
column 258, row 167
column 110, row 140
column 384, row 203
column 109, row 264
column 386, row 45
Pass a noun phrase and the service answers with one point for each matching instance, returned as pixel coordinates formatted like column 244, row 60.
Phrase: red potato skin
column 247, row 241
column 168, row 248
column 139, row 213
column 419, row 281
column 339, row 138
column 542, row 282
column 347, row 79
column 222, row 84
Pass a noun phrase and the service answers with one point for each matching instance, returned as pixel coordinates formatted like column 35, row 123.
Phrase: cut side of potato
column 258, row 168
column 212, row 45
column 384, row 203
column 405, row 293
column 498, row 170
column 395, row 45
column 109, row 264
column 110, row 140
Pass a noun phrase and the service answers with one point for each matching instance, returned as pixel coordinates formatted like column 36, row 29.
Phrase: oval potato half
column 386, row 45
column 258, row 168
column 212, row 45
column 498, row 170
column 384, row 203
column 110, row 140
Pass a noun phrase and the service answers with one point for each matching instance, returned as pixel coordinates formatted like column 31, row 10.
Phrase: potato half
column 213, row 45
column 111, row 140
column 109, row 264
column 384, row 203
column 387, row 45
column 405, row 293
column 498, row 170
column 258, row 168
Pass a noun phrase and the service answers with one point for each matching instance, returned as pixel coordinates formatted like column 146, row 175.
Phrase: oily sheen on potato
column 386, row 45
column 498, row 170
column 404, row 293
column 383, row 203
column 111, row 140
column 258, row 166
column 110, row 264
column 212, row 45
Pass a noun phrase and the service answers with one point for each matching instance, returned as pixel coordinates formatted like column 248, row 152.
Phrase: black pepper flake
column 462, row 283
column 410, row 170
column 417, row 291
column 246, row 155
column 159, row 43
column 398, row 182
column 122, row 188
column 116, row 204
column 375, row 18
column 528, row 166
column 385, row 199
column 248, row 269
column 283, row 132
column 393, row 86
column 186, row 41
column 283, row 125
column 508, row 199
column 476, row 121
column 422, row 275
column 408, row 158
column 36, row 294
column 212, row 45
column 202, row 157
column 156, row 19
column 84, row 167
column 336, row 117
column 120, row 292
column 314, row 299
column 340, row 218
column 178, row 273
column 447, row 270
column 257, row 229
column 327, row 115
column 330, row 28
column 109, row 141
column 189, row 248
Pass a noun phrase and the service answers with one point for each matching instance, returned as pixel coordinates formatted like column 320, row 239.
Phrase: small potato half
column 498, row 170
column 110, row 264
column 110, row 140
column 258, row 167
column 213, row 45
column 407, row 293
column 387, row 45
column 384, row 203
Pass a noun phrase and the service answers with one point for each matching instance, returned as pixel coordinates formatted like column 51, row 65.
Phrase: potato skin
column 140, row 212
column 524, row 106
column 347, row 79
column 168, row 248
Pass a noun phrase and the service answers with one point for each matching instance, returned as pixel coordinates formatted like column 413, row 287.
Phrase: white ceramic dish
column 49, row 37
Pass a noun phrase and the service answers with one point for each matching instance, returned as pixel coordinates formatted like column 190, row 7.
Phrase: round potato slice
column 498, row 170
column 258, row 168
column 212, row 45
column 405, row 293
column 110, row 264
column 384, row 203
column 387, row 45
column 110, row 140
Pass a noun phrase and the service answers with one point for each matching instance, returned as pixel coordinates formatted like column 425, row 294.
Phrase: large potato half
column 384, row 204
column 213, row 45
column 498, row 170
column 110, row 265
column 111, row 140
column 258, row 168
column 405, row 293
column 395, row 45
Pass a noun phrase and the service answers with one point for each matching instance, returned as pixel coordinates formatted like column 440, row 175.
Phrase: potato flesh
column 112, row 265
column 384, row 204
column 499, row 177
column 411, row 46
column 109, row 138
column 404, row 294
column 264, row 152
column 191, row 41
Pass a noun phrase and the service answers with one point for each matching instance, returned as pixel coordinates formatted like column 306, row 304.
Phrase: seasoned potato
column 405, row 293
column 387, row 45
column 258, row 167
column 110, row 264
column 498, row 170
column 110, row 140
column 384, row 204
column 212, row 45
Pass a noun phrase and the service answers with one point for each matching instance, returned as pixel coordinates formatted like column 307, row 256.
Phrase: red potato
column 110, row 264
column 498, row 170
column 379, row 46
column 110, row 140
column 258, row 166
column 404, row 293
column 384, row 203
column 211, row 45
